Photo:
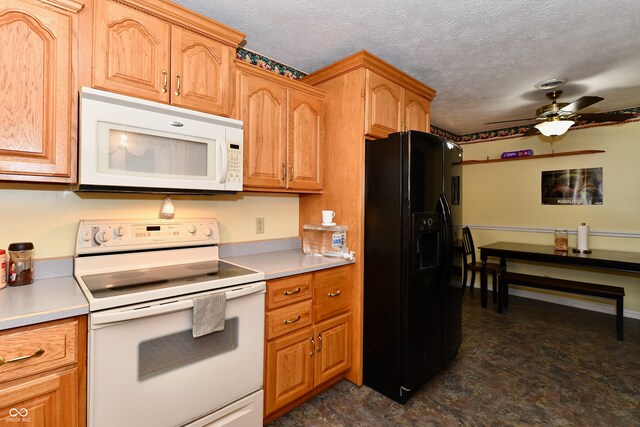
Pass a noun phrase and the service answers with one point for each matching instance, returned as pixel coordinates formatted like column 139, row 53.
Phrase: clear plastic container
column 20, row 264
column 329, row 241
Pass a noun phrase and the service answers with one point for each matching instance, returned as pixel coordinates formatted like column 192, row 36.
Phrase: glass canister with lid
column 20, row 264
column 561, row 240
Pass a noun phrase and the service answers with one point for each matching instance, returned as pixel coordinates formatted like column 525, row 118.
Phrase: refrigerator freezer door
column 422, row 313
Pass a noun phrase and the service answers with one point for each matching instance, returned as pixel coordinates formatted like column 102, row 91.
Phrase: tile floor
column 540, row 364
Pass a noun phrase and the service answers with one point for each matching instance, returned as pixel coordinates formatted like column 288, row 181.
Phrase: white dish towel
column 208, row 314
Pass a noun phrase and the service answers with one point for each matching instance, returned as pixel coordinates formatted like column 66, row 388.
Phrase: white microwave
column 133, row 145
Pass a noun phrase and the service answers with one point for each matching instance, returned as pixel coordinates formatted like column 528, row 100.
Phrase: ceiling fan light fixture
column 554, row 127
column 550, row 84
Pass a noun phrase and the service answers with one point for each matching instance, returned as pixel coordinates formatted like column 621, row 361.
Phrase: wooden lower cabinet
column 43, row 377
column 301, row 358
column 49, row 401
column 332, row 348
column 289, row 373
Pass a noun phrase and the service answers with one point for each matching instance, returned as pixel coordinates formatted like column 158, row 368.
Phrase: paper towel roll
column 583, row 237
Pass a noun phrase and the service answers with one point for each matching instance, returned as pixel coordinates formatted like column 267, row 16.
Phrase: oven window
column 164, row 354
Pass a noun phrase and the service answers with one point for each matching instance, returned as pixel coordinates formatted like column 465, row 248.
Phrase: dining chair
column 470, row 264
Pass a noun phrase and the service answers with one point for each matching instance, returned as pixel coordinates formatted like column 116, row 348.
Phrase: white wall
column 48, row 215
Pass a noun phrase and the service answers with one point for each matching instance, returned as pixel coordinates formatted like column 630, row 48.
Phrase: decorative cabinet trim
column 228, row 36
column 370, row 62
column 68, row 5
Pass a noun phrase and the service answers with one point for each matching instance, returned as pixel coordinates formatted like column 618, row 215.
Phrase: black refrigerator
column 412, row 305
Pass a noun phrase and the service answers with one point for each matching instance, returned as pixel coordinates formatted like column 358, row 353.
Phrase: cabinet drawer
column 332, row 292
column 34, row 349
column 286, row 319
column 285, row 291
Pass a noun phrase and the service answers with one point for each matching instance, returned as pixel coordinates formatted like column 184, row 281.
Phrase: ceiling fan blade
column 532, row 131
column 606, row 117
column 580, row 103
column 508, row 121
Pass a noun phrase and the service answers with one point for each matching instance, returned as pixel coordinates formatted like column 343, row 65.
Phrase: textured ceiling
column 482, row 56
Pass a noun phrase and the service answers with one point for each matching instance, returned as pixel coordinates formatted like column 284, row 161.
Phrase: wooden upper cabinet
column 131, row 52
column 200, row 72
column 283, row 131
column 416, row 112
column 38, row 113
column 165, row 53
column 305, row 145
column 263, row 108
column 383, row 106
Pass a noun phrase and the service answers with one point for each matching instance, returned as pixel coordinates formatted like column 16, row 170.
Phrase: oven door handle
column 168, row 307
column 138, row 313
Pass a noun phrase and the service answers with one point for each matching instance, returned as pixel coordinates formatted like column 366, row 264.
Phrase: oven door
column 145, row 369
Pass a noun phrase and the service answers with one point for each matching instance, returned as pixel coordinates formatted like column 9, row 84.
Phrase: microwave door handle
column 222, row 161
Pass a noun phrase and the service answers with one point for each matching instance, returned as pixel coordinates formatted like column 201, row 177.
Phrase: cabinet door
column 383, row 106
column 200, row 71
column 416, row 112
column 36, row 86
column 131, row 52
column 48, row 401
column 332, row 348
column 289, row 369
column 263, row 108
column 305, row 141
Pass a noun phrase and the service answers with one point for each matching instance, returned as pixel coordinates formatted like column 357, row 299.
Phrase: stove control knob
column 86, row 235
column 102, row 236
column 120, row 231
column 207, row 231
column 192, row 229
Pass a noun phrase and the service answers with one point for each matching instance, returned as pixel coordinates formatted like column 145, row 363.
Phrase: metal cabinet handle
column 284, row 171
column 164, row 81
column 295, row 291
column 177, row 92
column 334, row 294
column 39, row 352
column 313, row 346
column 290, row 173
column 290, row 321
column 320, row 341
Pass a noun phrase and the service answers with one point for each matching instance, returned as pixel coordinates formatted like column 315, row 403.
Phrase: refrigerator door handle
column 447, row 240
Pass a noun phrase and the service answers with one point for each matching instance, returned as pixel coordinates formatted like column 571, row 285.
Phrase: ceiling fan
column 556, row 118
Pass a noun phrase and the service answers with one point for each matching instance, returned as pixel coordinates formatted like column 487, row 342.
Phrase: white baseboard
column 570, row 302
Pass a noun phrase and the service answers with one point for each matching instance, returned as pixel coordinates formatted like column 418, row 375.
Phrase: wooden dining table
column 618, row 261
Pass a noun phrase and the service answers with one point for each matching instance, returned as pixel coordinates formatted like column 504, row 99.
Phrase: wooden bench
column 562, row 285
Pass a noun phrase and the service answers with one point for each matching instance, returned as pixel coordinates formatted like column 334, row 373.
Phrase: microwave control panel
column 234, row 163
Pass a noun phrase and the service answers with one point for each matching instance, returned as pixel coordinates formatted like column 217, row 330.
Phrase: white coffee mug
column 327, row 217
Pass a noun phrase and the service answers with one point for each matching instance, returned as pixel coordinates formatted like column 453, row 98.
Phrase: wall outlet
column 259, row 225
